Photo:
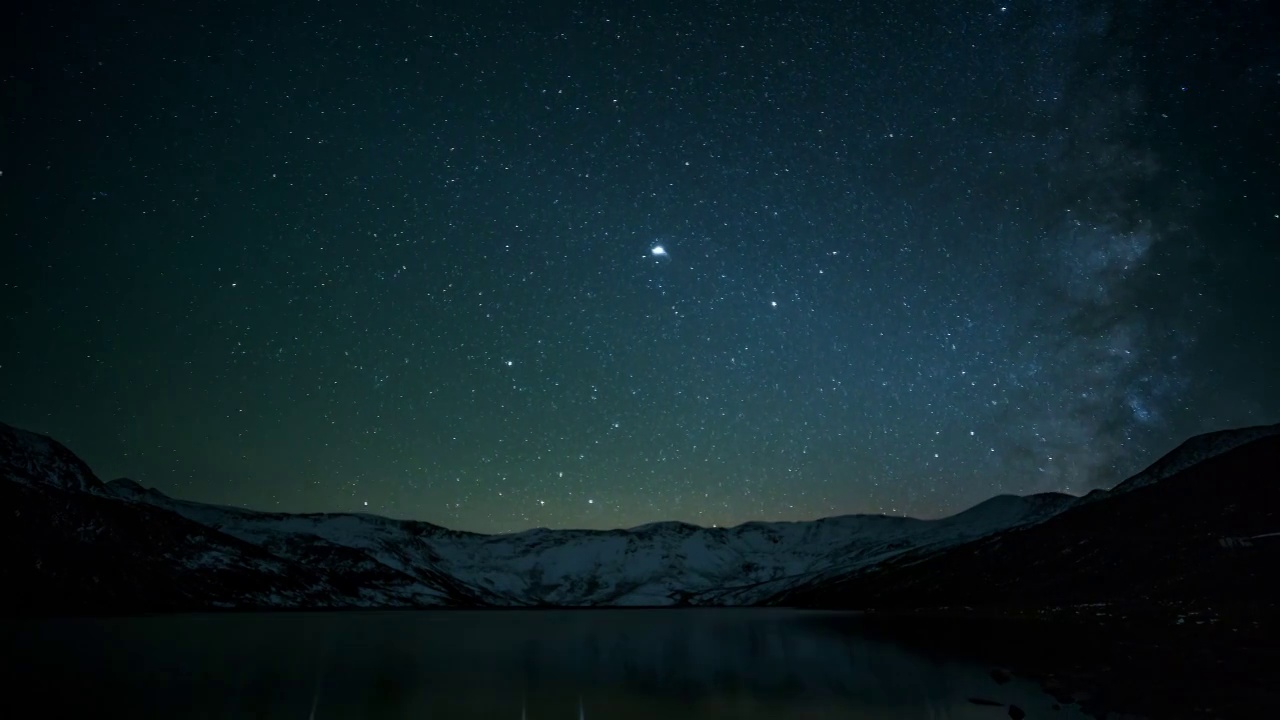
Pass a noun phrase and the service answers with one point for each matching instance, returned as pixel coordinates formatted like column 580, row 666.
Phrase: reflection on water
column 536, row 665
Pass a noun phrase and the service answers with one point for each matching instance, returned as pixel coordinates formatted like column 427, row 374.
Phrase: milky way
column 496, row 268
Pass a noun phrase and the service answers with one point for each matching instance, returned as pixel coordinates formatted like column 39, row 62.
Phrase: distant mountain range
column 1194, row 523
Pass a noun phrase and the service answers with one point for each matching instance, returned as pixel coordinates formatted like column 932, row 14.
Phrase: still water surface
column 535, row 665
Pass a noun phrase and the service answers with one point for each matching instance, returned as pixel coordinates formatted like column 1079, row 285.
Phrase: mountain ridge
column 1196, row 535
column 363, row 560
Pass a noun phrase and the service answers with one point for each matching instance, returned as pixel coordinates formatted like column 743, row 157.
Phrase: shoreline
column 1138, row 659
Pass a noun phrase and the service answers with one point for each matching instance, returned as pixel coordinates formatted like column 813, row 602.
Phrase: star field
column 498, row 266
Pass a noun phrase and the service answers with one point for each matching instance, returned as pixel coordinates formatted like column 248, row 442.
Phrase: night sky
column 591, row 264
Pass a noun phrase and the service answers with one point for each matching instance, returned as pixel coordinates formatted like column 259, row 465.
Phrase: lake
column 535, row 664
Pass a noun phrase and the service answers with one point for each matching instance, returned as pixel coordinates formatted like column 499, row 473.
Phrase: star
column 836, row 285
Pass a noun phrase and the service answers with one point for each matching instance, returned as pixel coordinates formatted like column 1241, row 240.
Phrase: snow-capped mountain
column 82, row 543
column 656, row 564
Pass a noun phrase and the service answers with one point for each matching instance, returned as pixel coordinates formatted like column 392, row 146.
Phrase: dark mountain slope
column 38, row 460
column 71, row 546
column 1175, row 539
column 85, row 554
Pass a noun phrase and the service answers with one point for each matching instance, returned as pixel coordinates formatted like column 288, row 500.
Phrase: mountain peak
column 129, row 489
column 1196, row 450
column 35, row 459
column 126, row 484
column 1008, row 509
